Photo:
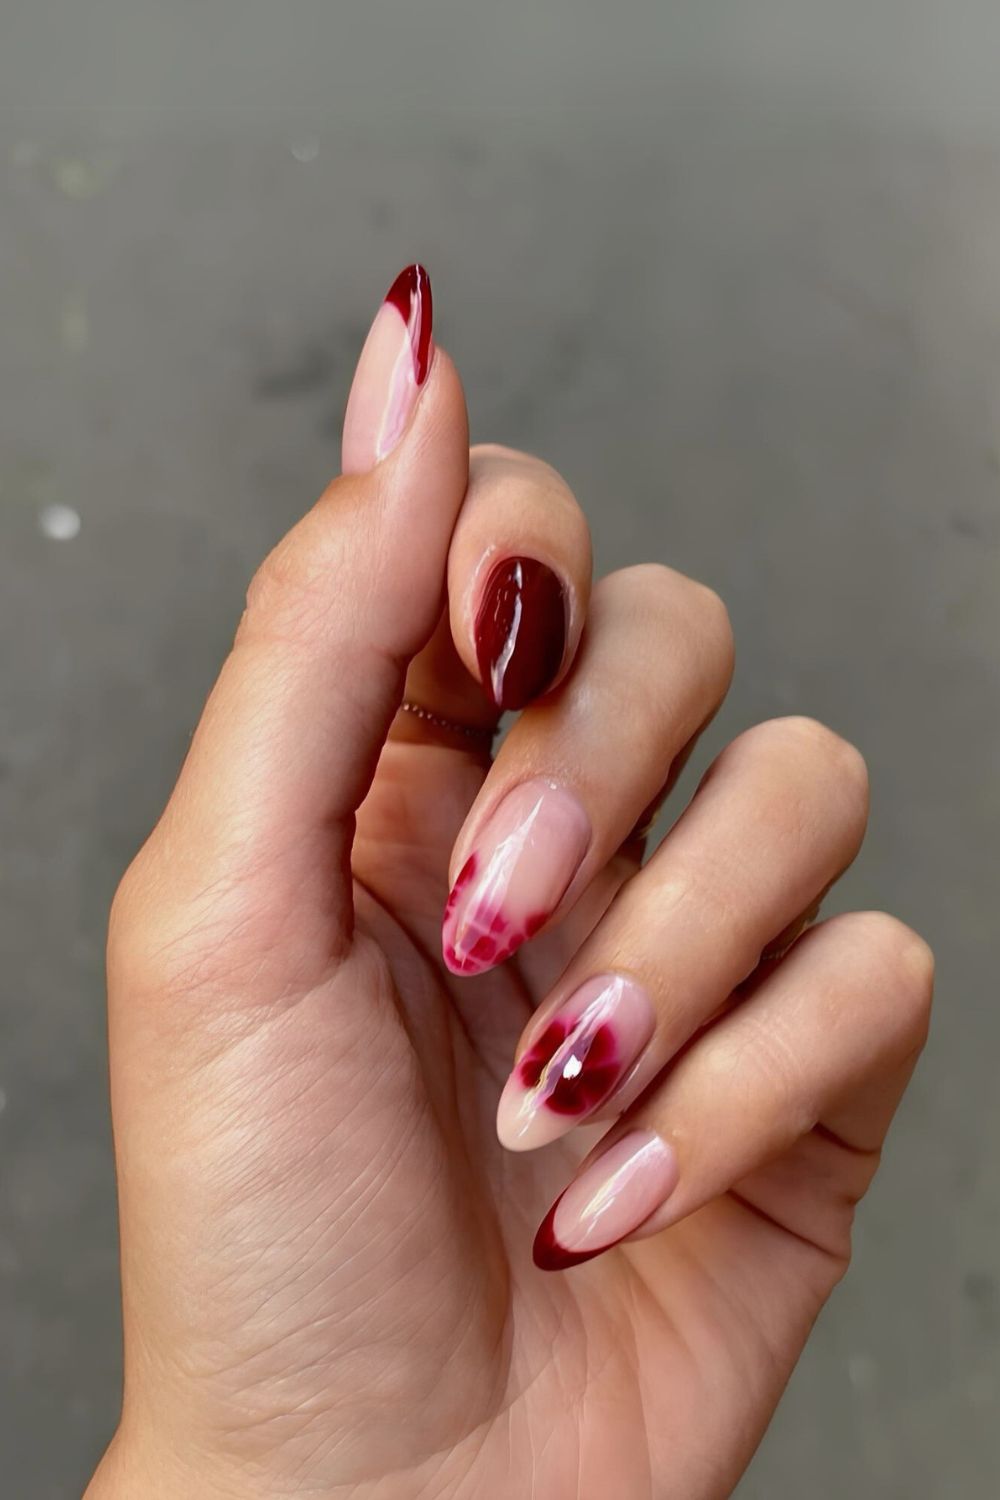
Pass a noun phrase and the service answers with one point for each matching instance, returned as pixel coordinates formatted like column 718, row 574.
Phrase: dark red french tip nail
column 520, row 631
column 549, row 1255
column 410, row 294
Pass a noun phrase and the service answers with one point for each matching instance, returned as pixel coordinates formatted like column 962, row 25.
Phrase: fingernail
column 519, row 870
column 580, row 1058
column 391, row 372
column 608, row 1201
column 520, row 631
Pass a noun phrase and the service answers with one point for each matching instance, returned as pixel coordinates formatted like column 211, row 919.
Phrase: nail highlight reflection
column 577, row 1061
column 609, row 1200
column 520, row 631
column 392, row 369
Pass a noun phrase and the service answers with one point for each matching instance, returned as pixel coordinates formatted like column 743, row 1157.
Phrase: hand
column 328, row 1281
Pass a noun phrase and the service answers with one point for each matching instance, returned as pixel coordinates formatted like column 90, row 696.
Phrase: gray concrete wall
column 736, row 270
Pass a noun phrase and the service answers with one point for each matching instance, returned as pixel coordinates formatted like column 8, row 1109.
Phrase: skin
column 327, row 1280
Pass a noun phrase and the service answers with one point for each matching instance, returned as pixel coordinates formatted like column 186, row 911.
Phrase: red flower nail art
column 586, row 1071
column 576, row 1064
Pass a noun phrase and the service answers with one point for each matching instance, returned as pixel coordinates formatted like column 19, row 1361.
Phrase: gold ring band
column 477, row 732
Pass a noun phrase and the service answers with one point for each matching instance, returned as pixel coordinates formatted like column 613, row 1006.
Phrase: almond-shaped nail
column 581, row 1055
column 520, row 631
column 609, row 1200
column 391, row 372
column 521, row 865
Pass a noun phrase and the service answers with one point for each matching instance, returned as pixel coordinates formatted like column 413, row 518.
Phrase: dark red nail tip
column 410, row 294
column 462, row 879
column 535, row 923
column 520, row 631
column 549, row 1255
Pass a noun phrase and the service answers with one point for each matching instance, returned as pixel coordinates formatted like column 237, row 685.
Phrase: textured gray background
column 735, row 268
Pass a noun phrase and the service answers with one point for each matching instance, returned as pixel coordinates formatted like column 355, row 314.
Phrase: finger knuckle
column 128, row 951
column 838, row 759
column 900, row 965
column 693, row 623
column 715, row 625
column 511, row 476
column 120, row 915
column 289, row 592
column 762, row 1065
column 511, row 470
column 278, row 576
column 910, row 958
column 481, row 453
column 653, row 586
column 666, row 594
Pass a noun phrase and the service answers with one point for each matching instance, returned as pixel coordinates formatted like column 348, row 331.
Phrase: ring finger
column 779, row 816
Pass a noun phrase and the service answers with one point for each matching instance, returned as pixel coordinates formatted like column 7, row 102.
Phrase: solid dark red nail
column 520, row 631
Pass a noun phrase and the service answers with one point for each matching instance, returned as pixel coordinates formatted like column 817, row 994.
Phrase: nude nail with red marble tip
column 391, row 372
column 522, row 863
column 610, row 1199
column 575, row 1062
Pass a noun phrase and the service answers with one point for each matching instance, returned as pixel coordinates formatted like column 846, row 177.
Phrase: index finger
column 519, row 570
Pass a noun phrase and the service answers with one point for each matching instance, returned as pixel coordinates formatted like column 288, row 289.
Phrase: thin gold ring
column 476, row 732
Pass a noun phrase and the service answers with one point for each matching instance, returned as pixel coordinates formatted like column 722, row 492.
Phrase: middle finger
column 779, row 816
column 579, row 768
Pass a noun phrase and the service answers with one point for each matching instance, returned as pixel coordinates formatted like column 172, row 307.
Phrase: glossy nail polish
column 520, row 631
column 584, row 1051
column 391, row 372
column 523, row 861
column 609, row 1200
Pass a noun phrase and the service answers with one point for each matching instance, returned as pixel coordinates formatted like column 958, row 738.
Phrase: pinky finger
column 827, row 1041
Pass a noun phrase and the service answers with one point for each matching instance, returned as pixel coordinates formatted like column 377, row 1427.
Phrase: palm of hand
column 347, row 1262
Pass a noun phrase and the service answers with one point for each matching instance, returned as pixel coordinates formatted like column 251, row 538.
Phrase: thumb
column 290, row 736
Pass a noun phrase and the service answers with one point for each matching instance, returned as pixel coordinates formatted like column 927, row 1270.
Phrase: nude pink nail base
column 609, row 1200
column 393, row 367
column 576, row 1062
column 524, row 860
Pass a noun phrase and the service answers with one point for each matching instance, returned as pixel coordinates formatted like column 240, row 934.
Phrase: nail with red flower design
column 521, row 865
column 576, row 1061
